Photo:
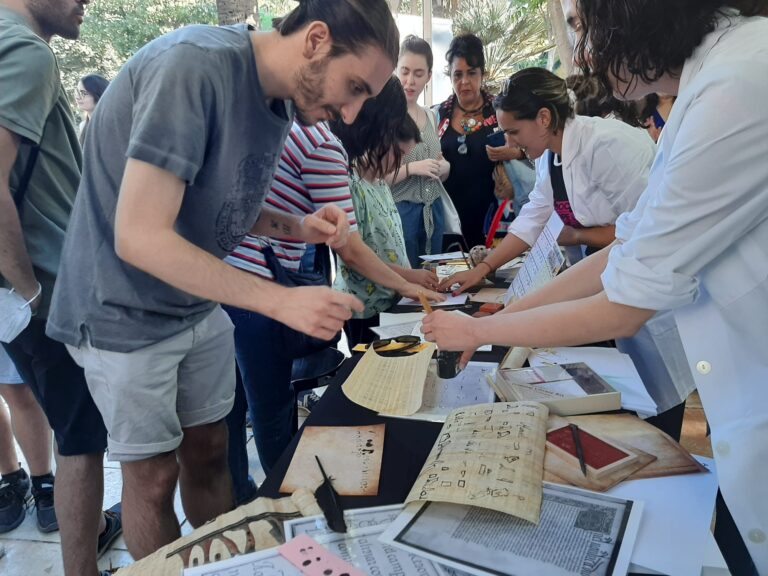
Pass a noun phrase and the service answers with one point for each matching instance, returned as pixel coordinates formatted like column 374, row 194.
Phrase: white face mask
column 15, row 315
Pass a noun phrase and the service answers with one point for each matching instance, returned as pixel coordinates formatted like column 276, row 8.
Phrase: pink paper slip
column 315, row 560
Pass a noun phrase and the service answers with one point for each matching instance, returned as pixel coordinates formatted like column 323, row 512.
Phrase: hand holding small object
column 450, row 331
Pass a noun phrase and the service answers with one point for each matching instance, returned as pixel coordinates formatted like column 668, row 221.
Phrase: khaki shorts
column 147, row 397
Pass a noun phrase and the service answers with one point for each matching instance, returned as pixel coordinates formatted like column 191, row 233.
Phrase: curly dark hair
column 469, row 47
column 381, row 126
column 618, row 41
column 529, row 90
column 354, row 24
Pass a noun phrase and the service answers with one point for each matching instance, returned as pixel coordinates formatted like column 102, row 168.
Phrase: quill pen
column 328, row 500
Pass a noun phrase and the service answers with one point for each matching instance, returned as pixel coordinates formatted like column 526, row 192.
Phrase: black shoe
column 13, row 500
column 114, row 519
column 42, row 492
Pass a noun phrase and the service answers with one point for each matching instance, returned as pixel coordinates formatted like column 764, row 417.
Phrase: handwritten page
column 488, row 455
column 389, row 384
column 351, row 455
column 441, row 396
column 542, row 263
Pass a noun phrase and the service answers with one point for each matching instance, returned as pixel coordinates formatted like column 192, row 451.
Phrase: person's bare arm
column 571, row 323
column 359, row 256
column 15, row 265
column 145, row 237
column 594, row 237
column 328, row 225
column 511, row 247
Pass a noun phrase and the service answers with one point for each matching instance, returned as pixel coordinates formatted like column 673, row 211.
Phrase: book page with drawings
column 389, row 384
column 488, row 455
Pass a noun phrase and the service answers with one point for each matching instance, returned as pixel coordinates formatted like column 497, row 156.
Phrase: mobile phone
column 496, row 139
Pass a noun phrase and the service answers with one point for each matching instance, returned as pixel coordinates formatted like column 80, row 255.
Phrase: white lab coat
column 605, row 169
column 698, row 243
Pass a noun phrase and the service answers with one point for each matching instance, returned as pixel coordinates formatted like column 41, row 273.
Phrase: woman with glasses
column 87, row 94
column 589, row 170
column 417, row 186
column 466, row 119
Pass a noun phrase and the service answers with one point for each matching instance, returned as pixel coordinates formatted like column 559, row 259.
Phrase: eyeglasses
column 399, row 346
column 82, row 93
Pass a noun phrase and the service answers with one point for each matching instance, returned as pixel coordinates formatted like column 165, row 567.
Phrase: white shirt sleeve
column 534, row 215
column 707, row 191
column 620, row 168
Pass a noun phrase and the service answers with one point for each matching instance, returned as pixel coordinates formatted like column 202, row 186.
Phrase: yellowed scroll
column 351, row 456
column 393, row 385
column 488, row 455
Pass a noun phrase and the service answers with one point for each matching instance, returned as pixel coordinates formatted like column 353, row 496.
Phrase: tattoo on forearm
column 287, row 229
column 274, row 224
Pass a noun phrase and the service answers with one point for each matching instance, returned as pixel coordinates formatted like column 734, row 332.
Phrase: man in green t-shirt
column 38, row 137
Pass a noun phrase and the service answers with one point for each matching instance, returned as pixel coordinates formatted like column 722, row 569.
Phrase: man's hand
column 317, row 311
column 465, row 280
column 450, row 331
column 328, row 225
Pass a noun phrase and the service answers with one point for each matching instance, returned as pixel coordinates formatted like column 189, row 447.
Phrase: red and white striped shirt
column 313, row 171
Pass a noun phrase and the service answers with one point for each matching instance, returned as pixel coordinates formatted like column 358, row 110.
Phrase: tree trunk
column 234, row 11
column 560, row 33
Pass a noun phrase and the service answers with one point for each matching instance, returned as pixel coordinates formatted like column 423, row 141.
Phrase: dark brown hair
column 416, row 45
column 354, row 24
column 381, row 126
column 645, row 39
column 528, row 91
column 469, row 47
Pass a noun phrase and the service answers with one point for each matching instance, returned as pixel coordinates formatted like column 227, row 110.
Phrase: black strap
column 556, row 179
column 21, row 191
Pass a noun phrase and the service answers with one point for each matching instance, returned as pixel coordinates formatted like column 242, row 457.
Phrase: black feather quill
column 328, row 500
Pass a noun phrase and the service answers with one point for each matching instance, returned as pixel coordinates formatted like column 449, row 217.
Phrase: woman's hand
column 412, row 291
column 428, row 168
column 465, row 280
column 450, row 331
column 502, row 153
column 426, row 278
column 445, row 168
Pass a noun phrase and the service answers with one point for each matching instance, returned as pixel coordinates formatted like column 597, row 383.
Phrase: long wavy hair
column 618, row 41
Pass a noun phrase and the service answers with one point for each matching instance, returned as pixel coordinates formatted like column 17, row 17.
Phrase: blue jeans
column 412, row 217
column 265, row 350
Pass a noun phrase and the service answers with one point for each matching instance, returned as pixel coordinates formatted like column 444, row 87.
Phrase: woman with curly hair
column 466, row 119
column 696, row 241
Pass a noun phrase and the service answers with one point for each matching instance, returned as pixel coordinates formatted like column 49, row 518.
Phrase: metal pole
column 426, row 14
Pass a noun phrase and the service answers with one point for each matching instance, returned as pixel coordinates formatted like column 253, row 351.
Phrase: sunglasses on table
column 399, row 346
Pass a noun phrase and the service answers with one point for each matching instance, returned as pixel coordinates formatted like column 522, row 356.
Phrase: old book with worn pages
column 567, row 389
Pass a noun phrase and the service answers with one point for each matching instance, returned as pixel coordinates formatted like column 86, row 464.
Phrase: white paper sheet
column 441, row 397
column 542, row 263
column 616, row 368
column 676, row 520
column 450, row 301
column 413, row 328
column 444, row 256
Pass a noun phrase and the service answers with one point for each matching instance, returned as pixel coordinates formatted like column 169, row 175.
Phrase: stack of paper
column 616, row 368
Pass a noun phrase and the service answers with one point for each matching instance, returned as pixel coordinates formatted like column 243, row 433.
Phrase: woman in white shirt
column 697, row 241
column 588, row 170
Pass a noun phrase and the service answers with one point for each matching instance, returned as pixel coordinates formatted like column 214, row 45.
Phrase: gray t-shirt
column 191, row 103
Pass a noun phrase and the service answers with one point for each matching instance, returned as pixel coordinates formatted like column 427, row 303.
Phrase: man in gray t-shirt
column 181, row 151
